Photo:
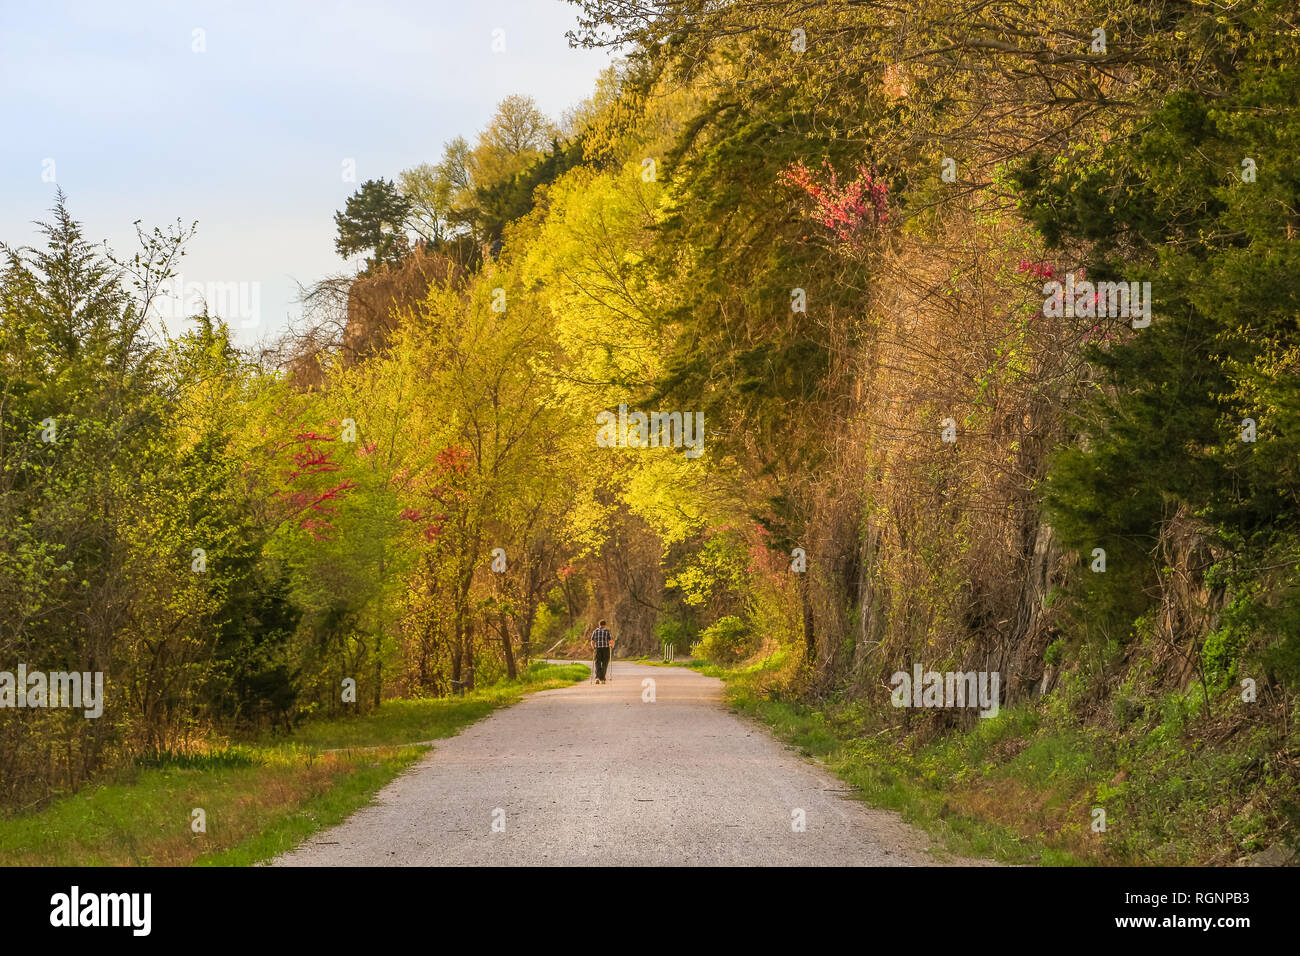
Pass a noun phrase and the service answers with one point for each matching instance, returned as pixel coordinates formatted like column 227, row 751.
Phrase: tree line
column 826, row 229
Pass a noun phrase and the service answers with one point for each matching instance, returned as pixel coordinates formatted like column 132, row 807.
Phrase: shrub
column 726, row 641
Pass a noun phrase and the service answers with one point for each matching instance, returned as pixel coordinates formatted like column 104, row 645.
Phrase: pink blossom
column 850, row 211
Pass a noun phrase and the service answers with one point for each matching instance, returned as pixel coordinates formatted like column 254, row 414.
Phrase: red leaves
column 431, row 531
column 317, row 521
column 439, row 487
column 312, row 436
column 305, row 458
column 1040, row 270
column 312, row 503
column 335, row 492
column 854, row 210
column 454, row 460
column 310, row 462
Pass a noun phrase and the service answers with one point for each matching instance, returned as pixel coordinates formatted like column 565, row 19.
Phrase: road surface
column 595, row 775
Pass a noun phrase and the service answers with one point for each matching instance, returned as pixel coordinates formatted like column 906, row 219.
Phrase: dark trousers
column 602, row 662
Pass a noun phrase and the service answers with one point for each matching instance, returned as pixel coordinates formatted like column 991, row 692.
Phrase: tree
column 503, row 203
column 441, row 194
column 516, row 135
column 1202, row 402
column 374, row 220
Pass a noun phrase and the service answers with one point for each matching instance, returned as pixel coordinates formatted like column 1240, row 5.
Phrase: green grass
column 287, row 828
column 423, row 719
column 704, row 667
column 1022, row 787
column 887, row 777
column 261, row 798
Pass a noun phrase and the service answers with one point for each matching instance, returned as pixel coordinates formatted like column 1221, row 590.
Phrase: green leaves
column 374, row 221
column 1166, row 434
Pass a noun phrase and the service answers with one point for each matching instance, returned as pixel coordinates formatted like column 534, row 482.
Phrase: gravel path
column 594, row 775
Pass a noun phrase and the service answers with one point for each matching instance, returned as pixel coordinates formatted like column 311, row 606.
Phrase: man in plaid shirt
column 603, row 642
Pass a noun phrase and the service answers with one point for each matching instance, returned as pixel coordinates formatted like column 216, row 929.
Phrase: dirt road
column 598, row 775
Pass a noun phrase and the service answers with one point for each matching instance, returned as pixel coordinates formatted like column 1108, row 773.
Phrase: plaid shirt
column 600, row 637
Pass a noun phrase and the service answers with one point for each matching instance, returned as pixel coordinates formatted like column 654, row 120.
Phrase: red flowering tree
column 854, row 210
column 309, row 499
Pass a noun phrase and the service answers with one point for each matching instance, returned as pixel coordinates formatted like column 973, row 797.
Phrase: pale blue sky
column 249, row 137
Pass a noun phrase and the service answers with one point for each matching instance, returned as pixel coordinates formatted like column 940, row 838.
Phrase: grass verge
column 1024, row 787
column 258, row 799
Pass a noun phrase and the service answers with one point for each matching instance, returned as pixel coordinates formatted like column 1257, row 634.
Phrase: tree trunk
column 504, row 624
column 456, row 649
column 526, row 632
column 379, row 667
column 809, row 632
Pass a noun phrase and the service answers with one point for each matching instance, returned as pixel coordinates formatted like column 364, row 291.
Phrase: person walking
column 603, row 642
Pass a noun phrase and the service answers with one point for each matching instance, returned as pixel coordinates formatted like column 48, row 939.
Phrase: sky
column 249, row 117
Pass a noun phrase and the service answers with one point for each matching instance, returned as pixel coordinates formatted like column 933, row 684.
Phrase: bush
column 673, row 630
column 726, row 641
